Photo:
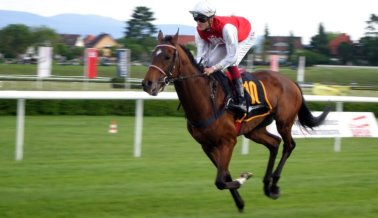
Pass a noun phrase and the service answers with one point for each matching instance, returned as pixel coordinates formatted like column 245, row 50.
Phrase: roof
column 186, row 39
column 334, row 43
column 96, row 39
column 69, row 39
column 88, row 39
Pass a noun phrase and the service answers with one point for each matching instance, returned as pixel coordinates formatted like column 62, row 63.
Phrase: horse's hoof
column 246, row 175
column 274, row 193
column 241, row 210
column 274, row 196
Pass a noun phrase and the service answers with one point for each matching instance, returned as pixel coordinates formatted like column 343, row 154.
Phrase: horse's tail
column 306, row 119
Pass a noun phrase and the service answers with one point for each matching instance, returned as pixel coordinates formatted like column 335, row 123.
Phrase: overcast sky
column 302, row 17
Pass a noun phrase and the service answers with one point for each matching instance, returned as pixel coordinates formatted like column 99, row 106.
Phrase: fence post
column 245, row 145
column 138, row 128
column 337, row 144
column 20, row 128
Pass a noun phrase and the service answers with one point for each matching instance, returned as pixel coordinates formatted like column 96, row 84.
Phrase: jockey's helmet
column 205, row 8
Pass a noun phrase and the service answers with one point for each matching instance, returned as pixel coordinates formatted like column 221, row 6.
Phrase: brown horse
column 213, row 126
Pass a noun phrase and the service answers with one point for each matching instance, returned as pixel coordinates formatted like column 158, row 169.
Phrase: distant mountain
column 81, row 24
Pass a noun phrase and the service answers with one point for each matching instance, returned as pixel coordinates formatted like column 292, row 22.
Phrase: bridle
column 168, row 76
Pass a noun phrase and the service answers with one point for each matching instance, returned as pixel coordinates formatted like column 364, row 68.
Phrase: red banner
column 91, row 56
column 274, row 63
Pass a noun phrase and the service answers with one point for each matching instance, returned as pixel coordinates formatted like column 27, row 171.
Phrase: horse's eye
column 167, row 57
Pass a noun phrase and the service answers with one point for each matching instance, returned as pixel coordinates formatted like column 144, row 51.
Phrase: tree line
column 140, row 38
column 362, row 52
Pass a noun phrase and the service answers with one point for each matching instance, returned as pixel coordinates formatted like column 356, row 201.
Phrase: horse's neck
column 195, row 97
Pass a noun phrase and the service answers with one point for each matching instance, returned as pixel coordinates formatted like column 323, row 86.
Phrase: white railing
column 139, row 96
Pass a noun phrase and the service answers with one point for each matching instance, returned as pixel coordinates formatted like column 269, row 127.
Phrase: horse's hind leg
column 288, row 147
column 272, row 142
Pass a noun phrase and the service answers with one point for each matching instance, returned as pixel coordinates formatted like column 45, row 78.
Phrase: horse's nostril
column 146, row 83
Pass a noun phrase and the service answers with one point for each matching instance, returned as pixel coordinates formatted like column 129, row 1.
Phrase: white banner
column 338, row 124
column 44, row 61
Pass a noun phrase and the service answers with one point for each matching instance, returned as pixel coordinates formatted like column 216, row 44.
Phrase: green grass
column 340, row 76
column 312, row 74
column 73, row 167
column 66, row 70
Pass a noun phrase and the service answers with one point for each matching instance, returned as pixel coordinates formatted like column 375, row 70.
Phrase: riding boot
column 240, row 101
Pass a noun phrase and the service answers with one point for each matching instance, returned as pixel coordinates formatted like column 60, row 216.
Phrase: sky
column 282, row 17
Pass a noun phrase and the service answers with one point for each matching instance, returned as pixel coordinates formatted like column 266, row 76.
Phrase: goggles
column 201, row 18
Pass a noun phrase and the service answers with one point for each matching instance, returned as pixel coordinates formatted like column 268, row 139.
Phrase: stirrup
column 238, row 108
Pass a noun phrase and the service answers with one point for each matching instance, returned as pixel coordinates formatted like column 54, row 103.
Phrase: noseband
column 168, row 77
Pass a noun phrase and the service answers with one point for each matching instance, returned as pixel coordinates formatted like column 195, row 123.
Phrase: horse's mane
column 168, row 39
column 191, row 57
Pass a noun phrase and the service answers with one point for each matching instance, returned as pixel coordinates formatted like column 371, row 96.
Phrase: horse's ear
column 175, row 38
column 160, row 36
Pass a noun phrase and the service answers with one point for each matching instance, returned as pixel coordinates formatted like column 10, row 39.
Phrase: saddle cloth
column 258, row 104
column 255, row 94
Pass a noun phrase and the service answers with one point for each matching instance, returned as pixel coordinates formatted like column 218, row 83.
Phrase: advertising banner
column 301, row 69
column 44, row 61
column 123, row 62
column 274, row 66
column 91, row 56
column 338, row 124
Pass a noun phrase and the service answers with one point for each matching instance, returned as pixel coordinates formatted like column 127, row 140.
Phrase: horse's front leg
column 223, row 178
column 222, row 157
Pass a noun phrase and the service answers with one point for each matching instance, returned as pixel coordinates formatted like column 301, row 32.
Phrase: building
column 72, row 40
column 104, row 43
column 279, row 45
column 335, row 43
column 186, row 40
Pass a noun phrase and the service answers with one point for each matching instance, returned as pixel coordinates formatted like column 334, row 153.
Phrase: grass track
column 73, row 168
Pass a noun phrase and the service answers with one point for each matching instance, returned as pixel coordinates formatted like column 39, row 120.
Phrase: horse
column 212, row 125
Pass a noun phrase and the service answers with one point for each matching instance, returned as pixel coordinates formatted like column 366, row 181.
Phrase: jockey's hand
column 208, row 70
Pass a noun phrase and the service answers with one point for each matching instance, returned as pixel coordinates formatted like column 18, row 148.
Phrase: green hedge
column 127, row 107
column 91, row 107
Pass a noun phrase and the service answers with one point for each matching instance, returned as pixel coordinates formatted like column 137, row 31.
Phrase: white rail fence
column 22, row 96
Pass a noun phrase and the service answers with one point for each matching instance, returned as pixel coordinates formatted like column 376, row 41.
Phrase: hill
column 81, row 24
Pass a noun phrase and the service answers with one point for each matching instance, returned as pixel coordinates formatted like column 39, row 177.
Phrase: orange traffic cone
column 113, row 127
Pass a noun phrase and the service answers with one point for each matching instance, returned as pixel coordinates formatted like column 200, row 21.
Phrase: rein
column 169, row 78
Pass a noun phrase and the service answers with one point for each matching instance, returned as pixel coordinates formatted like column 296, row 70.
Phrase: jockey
column 222, row 42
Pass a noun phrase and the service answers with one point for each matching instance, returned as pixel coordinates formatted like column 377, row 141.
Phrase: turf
column 73, row 167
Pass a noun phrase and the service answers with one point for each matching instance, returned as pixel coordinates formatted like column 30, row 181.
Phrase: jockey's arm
column 202, row 48
column 230, row 37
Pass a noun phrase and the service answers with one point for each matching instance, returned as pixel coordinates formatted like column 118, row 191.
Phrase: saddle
column 255, row 94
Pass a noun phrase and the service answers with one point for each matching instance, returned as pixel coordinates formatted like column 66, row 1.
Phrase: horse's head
column 163, row 64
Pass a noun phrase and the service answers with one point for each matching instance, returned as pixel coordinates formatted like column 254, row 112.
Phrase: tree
column 44, row 36
column 139, row 34
column 266, row 44
column 14, row 40
column 319, row 43
column 369, row 49
column 369, row 43
column 291, row 48
column 68, row 52
column 140, row 25
column 312, row 58
column 372, row 26
column 345, row 52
